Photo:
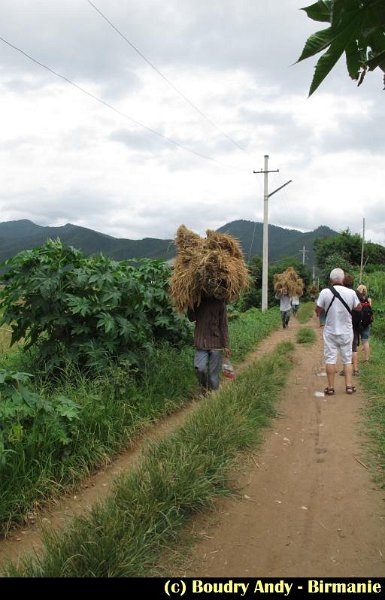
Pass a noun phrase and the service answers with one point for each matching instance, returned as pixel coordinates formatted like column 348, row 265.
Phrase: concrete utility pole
column 303, row 252
column 265, row 256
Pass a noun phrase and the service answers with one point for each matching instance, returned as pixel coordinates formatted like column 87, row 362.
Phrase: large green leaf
column 353, row 59
column 316, row 43
column 320, row 11
column 340, row 41
column 324, row 66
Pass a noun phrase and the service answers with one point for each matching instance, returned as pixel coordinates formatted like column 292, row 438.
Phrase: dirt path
column 309, row 506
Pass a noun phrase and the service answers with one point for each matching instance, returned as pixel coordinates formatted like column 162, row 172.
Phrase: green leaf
column 340, row 41
column 320, row 11
column 107, row 322
column 323, row 68
column 67, row 408
column 316, row 43
column 353, row 59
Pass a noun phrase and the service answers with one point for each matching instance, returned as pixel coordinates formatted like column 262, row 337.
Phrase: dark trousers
column 208, row 364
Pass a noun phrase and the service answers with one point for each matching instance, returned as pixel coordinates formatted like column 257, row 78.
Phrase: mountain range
column 16, row 236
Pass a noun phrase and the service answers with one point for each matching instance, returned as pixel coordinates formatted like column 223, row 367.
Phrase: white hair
column 337, row 275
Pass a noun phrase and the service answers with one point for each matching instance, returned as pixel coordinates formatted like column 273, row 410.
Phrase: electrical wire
column 116, row 110
column 194, row 106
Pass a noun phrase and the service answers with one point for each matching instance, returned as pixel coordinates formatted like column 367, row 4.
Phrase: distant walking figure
column 284, row 307
column 294, row 300
column 367, row 316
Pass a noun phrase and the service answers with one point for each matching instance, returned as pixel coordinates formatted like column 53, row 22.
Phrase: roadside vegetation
column 178, row 477
column 62, row 419
column 99, row 354
column 305, row 335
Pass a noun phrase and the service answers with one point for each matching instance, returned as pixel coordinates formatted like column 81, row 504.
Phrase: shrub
column 87, row 310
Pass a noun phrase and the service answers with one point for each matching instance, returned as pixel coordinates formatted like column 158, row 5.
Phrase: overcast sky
column 171, row 132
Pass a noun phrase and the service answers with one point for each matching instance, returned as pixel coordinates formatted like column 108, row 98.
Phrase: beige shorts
column 338, row 344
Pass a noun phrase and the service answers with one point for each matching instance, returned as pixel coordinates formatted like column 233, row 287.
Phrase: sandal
column 329, row 391
column 356, row 372
column 350, row 389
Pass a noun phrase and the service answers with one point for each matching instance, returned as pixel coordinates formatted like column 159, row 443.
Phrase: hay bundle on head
column 288, row 283
column 213, row 266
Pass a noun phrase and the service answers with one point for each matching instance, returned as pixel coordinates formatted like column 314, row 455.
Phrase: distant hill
column 282, row 242
column 16, row 236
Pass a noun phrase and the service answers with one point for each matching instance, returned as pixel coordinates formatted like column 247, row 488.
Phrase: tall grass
column 178, row 477
column 249, row 329
column 372, row 376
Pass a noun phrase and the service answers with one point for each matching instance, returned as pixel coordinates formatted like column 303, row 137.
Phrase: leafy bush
column 87, row 309
column 21, row 410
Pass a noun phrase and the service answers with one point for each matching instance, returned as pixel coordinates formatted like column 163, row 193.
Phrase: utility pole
column 303, row 252
column 265, row 247
column 362, row 249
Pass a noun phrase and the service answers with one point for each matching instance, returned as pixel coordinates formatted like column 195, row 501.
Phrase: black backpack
column 366, row 314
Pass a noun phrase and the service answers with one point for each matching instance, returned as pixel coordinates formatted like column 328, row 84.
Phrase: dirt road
column 308, row 505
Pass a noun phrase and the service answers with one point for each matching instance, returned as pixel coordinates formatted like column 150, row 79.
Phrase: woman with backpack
column 366, row 319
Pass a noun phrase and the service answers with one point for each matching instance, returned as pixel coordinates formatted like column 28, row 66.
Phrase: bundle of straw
column 289, row 283
column 213, row 267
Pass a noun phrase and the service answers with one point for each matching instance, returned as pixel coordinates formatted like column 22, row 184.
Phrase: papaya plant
column 356, row 29
column 87, row 309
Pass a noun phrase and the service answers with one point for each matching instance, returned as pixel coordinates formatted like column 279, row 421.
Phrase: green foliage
column 252, row 297
column 346, row 245
column 305, row 312
column 357, row 28
column 87, row 310
column 331, row 262
column 305, row 335
column 179, row 475
column 23, row 411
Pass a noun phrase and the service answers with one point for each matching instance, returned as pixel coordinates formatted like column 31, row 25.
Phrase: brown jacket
column 211, row 328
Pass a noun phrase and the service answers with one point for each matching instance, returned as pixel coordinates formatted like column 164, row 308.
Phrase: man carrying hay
column 288, row 287
column 211, row 337
column 284, row 306
column 208, row 273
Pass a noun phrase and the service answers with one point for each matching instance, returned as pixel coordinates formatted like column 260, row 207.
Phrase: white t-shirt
column 295, row 300
column 284, row 302
column 339, row 320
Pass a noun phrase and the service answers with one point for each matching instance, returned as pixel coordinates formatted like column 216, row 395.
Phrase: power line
column 194, row 106
column 116, row 110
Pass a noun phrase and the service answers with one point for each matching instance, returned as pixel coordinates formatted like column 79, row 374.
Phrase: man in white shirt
column 284, row 307
column 338, row 301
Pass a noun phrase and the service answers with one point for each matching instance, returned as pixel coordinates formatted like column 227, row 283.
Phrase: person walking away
column 294, row 301
column 338, row 302
column 211, row 341
column 366, row 319
column 284, row 307
column 356, row 320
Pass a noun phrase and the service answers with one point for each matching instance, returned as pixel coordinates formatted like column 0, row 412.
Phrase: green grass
column 249, row 329
column 305, row 311
column 114, row 408
column 372, row 376
column 305, row 335
column 178, row 477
